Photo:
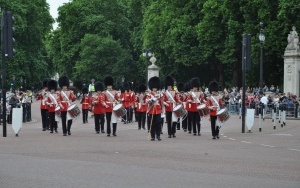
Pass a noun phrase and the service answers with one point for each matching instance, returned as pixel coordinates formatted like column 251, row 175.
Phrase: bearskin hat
column 142, row 88
column 169, row 81
column 99, row 86
column 63, row 81
column 126, row 86
column 195, row 82
column 136, row 89
column 154, row 82
column 180, row 87
column 108, row 81
column 213, row 86
column 45, row 81
column 52, row 84
column 85, row 90
column 130, row 86
column 187, row 86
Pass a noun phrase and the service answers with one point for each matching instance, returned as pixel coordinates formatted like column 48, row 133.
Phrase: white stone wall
column 292, row 71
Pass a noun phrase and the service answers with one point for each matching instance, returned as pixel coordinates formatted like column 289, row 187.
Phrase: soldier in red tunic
column 171, row 99
column 66, row 96
column 85, row 104
column 194, row 99
column 44, row 108
column 154, row 107
column 141, row 106
column 100, row 106
column 111, row 100
column 53, row 103
column 213, row 103
column 125, row 98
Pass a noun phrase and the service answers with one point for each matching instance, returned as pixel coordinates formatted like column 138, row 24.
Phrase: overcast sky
column 54, row 4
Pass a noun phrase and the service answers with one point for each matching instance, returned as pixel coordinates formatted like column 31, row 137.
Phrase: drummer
column 99, row 104
column 182, row 98
column 111, row 99
column 171, row 99
column 53, row 103
column 213, row 104
column 66, row 96
column 194, row 99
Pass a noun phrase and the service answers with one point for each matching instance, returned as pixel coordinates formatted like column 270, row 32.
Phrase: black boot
column 114, row 129
column 69, row 129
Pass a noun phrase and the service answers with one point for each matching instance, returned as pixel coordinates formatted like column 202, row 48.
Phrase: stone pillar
column 153, row 70
column 291, row 81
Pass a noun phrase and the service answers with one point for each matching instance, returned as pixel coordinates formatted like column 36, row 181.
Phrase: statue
column 293, row 40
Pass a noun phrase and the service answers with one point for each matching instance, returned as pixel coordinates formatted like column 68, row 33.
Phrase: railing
column 291, row 110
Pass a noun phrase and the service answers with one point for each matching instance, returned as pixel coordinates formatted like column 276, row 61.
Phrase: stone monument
column 153, row 70
column 291, row 81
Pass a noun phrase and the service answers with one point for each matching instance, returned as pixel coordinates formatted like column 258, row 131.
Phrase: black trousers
column 171, row 125
column 194, row 119
column 127, row 116
column 45, row 118
column 214, row 128
column 99, row 120
column 155, row 125
column 28, row 112
column 24, row 108
column 108, row 127
column 141, row 117
column 52, row 122
column 64, row 122
column 85, row 113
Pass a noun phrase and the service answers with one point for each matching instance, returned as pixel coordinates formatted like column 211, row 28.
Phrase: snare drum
column 203, row 110
column 74, row 111
column 223, row 115
column 57, row 111
column 179, row 111
column 119, row 110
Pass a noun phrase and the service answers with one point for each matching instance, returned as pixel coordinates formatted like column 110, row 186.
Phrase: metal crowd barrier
column 291, row 110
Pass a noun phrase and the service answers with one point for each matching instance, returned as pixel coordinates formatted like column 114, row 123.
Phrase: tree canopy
column 201, row 38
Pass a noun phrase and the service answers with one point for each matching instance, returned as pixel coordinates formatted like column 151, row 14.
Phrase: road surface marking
column 246, row 142
column 293, row 149
column 267, row 145
column 282, row 134
column 231, row 139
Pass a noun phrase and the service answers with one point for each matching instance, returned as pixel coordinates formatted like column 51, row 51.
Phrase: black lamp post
column 261, row 39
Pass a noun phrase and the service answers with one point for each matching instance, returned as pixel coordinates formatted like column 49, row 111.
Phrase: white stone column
column 291, row 82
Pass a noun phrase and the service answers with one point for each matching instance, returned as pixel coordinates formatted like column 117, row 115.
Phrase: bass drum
column 74, row 111
column 119, row 110
column 203, row 110
column 57, row 111
column 223, row 115
column 179, row 111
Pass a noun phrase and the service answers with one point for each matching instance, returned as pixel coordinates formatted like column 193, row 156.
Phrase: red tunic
column 110, row 98
column 154, row 107
column 193, row 101
column 43, row 97
column 170, row 102
column 65, row 102
column 99, row 104
column 126, row 99
column 210, row 102
column 141, row 103
column 51, row 104
column 86, row 102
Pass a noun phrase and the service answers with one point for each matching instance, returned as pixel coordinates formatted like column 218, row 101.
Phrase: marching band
column 186, row 106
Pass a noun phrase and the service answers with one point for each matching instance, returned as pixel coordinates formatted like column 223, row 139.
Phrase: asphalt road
column 36, row 159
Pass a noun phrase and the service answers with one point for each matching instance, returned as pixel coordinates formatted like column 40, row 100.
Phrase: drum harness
column 172, row 99
column 113, row 98
column 215, row 101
